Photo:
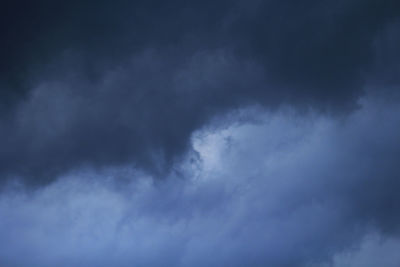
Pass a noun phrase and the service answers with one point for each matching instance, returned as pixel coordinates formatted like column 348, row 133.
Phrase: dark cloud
column 316, row 48
column 101, row 34
column 101, row 99
column 292, row 190
column 110, row 83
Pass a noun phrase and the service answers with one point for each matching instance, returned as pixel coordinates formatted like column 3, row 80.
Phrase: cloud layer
column 101, row 84
column 229, row 133
column 287, row 190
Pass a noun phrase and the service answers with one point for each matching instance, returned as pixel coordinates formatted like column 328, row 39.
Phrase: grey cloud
column 127, row 117
column 293, row 190
column 155, row 133
column 373, row 251
column 86, row 83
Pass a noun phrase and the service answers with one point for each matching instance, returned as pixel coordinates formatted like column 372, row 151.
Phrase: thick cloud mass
column 288, row 191
column 199, row 133
column 129, row 82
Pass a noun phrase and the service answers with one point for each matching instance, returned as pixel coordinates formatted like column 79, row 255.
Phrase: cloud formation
column 103, row 84
column 229, row 133
column 290, row 190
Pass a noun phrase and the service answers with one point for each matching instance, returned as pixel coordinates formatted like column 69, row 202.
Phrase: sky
column 200, row 133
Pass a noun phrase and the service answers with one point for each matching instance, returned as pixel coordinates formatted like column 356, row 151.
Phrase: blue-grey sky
column 228, row 133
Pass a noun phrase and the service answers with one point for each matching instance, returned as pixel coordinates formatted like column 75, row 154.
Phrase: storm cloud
column 103, row 84
column 212, row 133
column 288, row 190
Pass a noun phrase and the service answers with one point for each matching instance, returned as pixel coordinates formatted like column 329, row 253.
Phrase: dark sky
column 199, row 133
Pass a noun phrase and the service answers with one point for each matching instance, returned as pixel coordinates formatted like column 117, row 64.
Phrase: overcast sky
column 200, row 133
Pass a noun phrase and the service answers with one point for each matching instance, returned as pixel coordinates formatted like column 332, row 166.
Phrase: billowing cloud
column 98, row 84
column 287, row 190
column 228, row 133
